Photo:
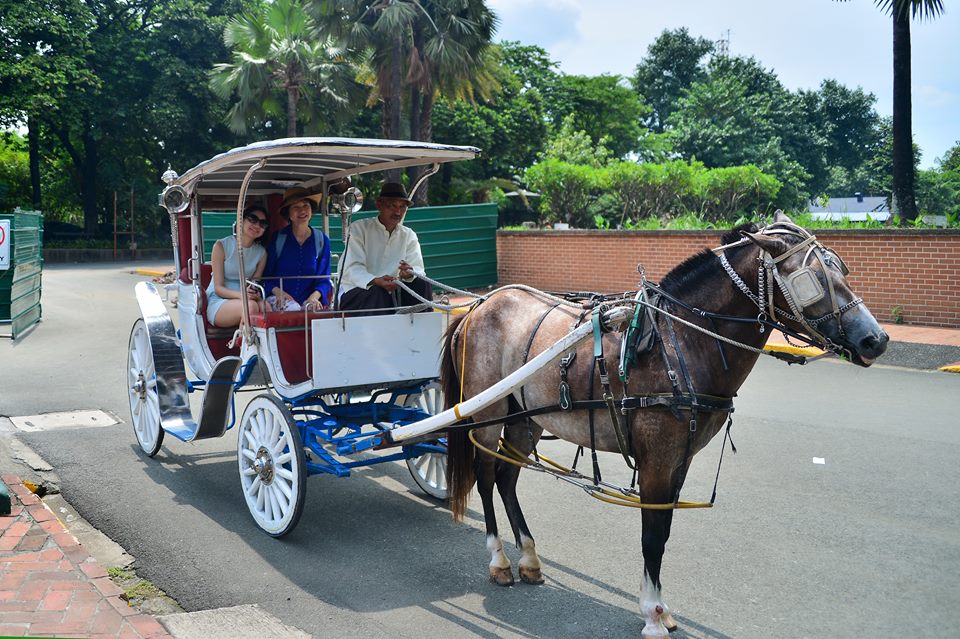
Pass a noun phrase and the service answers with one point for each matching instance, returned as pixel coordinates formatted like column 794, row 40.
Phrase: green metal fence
column 20, row 280
column 459, row 243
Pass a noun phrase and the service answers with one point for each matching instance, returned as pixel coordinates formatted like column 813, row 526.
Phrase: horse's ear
column 780, row 216
column 768, row 243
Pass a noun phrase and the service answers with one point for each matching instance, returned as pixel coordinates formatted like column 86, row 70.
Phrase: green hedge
column 624, row 192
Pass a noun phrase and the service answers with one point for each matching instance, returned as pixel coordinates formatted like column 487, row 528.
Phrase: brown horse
column 796, row 282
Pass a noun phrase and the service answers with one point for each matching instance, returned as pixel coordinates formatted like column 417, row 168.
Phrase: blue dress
column 299, row 259
column 231, row 271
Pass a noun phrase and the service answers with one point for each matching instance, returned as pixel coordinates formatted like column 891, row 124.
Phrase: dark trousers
column 379, row 301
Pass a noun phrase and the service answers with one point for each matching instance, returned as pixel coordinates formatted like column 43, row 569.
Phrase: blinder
column 804, row 287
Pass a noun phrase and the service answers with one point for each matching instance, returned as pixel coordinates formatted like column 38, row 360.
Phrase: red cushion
column 289, row 319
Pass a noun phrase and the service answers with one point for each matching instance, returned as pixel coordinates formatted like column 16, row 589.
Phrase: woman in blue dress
column 300, row 255
column 224, row 297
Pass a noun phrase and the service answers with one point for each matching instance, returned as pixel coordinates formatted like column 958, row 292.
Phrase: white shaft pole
column 507, row 385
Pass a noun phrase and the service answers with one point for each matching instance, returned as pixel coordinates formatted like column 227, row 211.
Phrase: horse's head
column 811, row 294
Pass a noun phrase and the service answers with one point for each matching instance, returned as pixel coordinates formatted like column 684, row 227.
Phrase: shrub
column 725, row 193
column 564, row 188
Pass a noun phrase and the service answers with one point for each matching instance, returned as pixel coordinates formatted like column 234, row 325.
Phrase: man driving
column 381, row 252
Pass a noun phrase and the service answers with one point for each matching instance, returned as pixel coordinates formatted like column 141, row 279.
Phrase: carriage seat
column 288, row 319
column 217, row 337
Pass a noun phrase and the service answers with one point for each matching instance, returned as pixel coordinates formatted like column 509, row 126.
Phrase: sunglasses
column 262, row 221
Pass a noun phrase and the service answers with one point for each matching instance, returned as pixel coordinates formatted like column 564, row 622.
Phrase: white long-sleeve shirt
column 374, row 252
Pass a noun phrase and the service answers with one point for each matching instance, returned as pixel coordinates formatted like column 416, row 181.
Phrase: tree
column 951, row 159
column 509, row 127
column 42, row 63
column 903, row 198
column 450, row 57
column 280, row 50
column 14, row 172
column 672, row 64
column 722, row 123
column 603, row 107
column 741, row 114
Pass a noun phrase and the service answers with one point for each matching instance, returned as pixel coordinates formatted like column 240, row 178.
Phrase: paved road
column 866, row 544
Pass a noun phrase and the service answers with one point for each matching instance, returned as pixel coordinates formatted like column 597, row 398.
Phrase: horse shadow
column 374, row 544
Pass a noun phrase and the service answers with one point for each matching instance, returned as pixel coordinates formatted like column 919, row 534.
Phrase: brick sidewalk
column 51, row 586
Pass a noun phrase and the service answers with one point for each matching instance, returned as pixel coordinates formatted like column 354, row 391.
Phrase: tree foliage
column 283, row 66
column 674, row 61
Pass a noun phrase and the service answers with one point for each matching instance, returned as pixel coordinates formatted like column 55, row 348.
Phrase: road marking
column 819, row 460
column 68, row 419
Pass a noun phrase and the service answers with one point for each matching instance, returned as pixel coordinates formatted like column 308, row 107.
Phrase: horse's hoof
column 654, row 632
column 667, row 620
column 501, row 576
column 531, row 576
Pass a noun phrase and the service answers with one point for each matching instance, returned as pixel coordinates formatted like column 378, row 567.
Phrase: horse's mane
column 700, row 265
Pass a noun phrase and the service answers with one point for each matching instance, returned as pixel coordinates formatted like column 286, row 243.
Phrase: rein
column 800, row 289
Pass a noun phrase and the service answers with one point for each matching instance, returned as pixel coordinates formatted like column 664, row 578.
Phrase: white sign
column 4, row 245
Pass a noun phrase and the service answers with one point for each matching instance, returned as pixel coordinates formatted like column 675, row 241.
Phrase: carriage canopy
column 310, row 161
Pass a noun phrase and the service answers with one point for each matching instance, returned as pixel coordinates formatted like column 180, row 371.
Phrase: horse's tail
column 460, row 451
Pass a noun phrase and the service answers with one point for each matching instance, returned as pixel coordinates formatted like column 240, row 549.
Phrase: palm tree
column 451, row 57
column 281, row 51
column 430, row 47
column 903, row 202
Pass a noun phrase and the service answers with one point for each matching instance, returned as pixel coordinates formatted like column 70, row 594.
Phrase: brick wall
column 916, row 270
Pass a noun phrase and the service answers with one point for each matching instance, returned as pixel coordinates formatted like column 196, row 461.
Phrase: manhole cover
column 68, row 419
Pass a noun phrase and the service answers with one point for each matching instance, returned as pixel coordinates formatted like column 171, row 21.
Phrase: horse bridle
column 801, row 288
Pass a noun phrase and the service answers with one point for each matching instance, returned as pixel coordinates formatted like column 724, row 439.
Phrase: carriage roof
column 309, row 161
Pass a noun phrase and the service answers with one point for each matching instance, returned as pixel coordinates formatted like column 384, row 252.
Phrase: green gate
column 21, row 263
column 459, row 243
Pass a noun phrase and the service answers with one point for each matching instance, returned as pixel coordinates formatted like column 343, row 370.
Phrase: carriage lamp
column 350, row 201
column 175, row 199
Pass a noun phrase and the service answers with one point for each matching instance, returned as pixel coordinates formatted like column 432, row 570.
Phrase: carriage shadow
column 373, row 544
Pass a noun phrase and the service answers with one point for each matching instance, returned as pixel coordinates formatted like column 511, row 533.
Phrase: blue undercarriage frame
column 330, row 430
column 334, row 429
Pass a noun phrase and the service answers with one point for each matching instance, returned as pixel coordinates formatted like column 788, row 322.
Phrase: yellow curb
column 152, row 272
column 809, row 351
column 952, row 368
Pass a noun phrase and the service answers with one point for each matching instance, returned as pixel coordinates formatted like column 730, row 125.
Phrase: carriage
column 329, row 384
column 339, row 392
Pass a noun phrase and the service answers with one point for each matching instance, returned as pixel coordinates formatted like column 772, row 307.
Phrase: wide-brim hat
column 394, row 190
column 297, row 193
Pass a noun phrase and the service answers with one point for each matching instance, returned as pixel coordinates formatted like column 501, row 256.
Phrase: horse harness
column 800, row 288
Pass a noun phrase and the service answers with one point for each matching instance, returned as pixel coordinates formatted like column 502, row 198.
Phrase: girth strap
column 526, row 351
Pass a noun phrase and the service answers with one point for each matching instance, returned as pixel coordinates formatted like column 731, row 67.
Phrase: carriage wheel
column 272, row 465
column 142, row 386
column 430, row 469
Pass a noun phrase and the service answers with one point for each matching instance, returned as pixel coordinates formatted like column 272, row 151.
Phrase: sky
column 804, row 42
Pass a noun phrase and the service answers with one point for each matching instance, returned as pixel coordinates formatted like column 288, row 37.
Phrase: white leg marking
column 529, row 559
column 652, row 609
column 497, row 557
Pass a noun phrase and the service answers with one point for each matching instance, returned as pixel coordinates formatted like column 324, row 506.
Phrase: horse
column 708, row 329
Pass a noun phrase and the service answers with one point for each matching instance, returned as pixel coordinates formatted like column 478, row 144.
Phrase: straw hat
column 295, row 194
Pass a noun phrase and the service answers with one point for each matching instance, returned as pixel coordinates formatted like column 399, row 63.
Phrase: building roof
column 852, row 208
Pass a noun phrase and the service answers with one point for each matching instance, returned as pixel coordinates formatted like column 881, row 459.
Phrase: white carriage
column 330, row 384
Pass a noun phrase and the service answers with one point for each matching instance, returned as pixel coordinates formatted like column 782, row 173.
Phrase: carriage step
column 214, row 412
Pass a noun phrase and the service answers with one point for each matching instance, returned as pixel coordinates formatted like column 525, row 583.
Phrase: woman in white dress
column 224, row 297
